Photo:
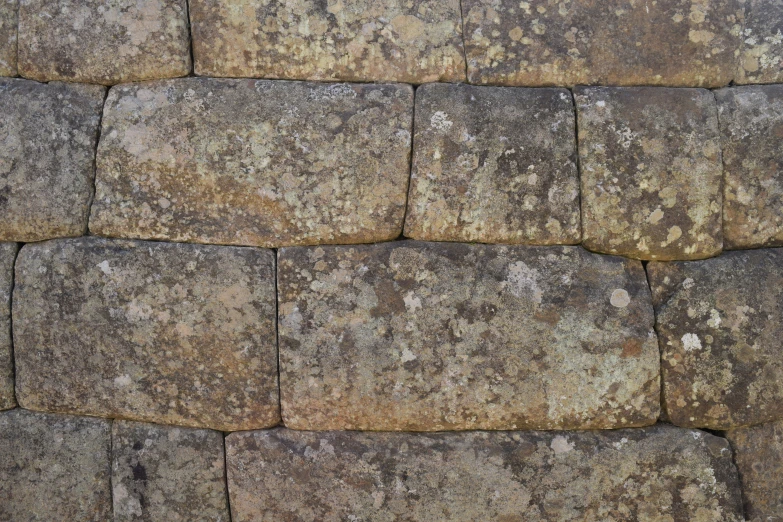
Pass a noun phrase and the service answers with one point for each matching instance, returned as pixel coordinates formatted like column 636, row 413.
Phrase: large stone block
column 8, row 23
column 412, row 41
column 94, row 41
column 720, row 324
column 446, row 336
column 650, row 164
column 285, row 163
column 610, row 42
column 48, row 134
column 160, row 332
column 494, row 165
column 7, row 258
column 761, row 50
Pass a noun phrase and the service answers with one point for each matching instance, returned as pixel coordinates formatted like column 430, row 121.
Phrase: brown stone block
column 7, row 257
column 761, row 50
column 8, row 23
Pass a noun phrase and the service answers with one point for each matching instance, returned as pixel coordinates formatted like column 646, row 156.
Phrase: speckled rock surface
column 494, row 165
column 687, row 43
column 7, row 257
column 167, row 473
column 54, row 467
column 442, row 336
column 761, row 51
column 8, row 23
column 94, row 41
column 751, row 121
column 284, row 163
column 660, row 473
column 651, row 172
column 719, row 323
column 412, row 41
column 48, row 134
column 169, row 333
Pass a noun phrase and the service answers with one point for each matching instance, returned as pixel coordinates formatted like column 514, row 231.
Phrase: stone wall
column 524, row 265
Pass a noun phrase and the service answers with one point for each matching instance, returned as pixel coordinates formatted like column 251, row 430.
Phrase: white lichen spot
column 655, row 216
column 524, row 280
column 560, row 444
column 601, row 103
column 412, row 303
column 714, row 320
column 105, row 268
column 407, row 355
column 620, row 298
column 123, row 380
column 690, row 342
column 688, row 283
column 440, row 120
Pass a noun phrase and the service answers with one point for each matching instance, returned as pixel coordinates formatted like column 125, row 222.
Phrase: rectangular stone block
column 751, row 124
column 8, row 23
column 413, row 41
column 761, row 48
column 422, row 336
column 720, row 322
column 94, row 41
column 54, row 467
column 658, row 473
column 159, row 332
column 48, row 136
column 285, row 163
column 7, row 258
column 167, row 473
column 494, row 165
column 651, row 171
column 612, row 42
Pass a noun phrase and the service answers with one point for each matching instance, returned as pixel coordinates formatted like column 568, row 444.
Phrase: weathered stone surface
column 412, row 41
column 751, row 121
column 612, row 42
column 284, row 163
column 651, row 171
column 94, row 41
column 48, row 135
column 170, row 333
column 658, row 473
column 54, row 467
column 761, row 50
column 167, row 473
column 433, row 336
column 720, row 322
column 8, row 23
column 7, row 257
column 494, row 165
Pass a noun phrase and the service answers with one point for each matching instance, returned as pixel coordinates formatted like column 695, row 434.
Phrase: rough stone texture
column 166, row 473
column 7, row 257
column 284, row 163
column 94, row 41
column 8, row 23
column 761, row 50
column 48, row 134
column 435, row 336
column 720, row 323
column 689, row 43
column 170, row 333
column 494, row 165
column 651, row 172
column 758, row 452
column 412, row 41
column 751, row 121
column 54, row 467
column 659, row 473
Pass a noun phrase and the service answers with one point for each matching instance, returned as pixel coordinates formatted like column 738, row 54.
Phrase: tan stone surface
column 651, row 171
column 688, row 43
column 8, row 23
column 494, row 165
column 254, row 162
column 94, row 41
column 445, row 336
column 412, row 41
column 761, row 51
column 169, row 333
column 7, row 257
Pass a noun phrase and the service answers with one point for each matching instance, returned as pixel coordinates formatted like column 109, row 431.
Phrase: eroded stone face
column 284, row 163
column 761, row 50
column 8, row 23
column 170, row 333
column 94, row 41
column 414, row 41
column 494, row 165
column 7, row 257
column 48, row 135
column 651, row 171
column 444, row 336
column 720, row 324
column 751, row 121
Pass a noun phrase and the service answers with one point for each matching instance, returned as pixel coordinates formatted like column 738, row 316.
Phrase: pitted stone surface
column 94, row 41
column 411, row 41
column 7, row 257
column 720, row 322
column 48, row 134
column 54, row 467
column 284, row 163
column 494, row 165
column 751, row 121
column 761, row 51
column 688, row 43
column 167, row 473
column 8, row 23
column 160, row 332
column 651, row 172
column 443, row 336
column 658, row 473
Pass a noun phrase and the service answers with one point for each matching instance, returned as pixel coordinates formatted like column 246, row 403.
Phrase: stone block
column 7, row 258
column 761, row 50
column 8, row 23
